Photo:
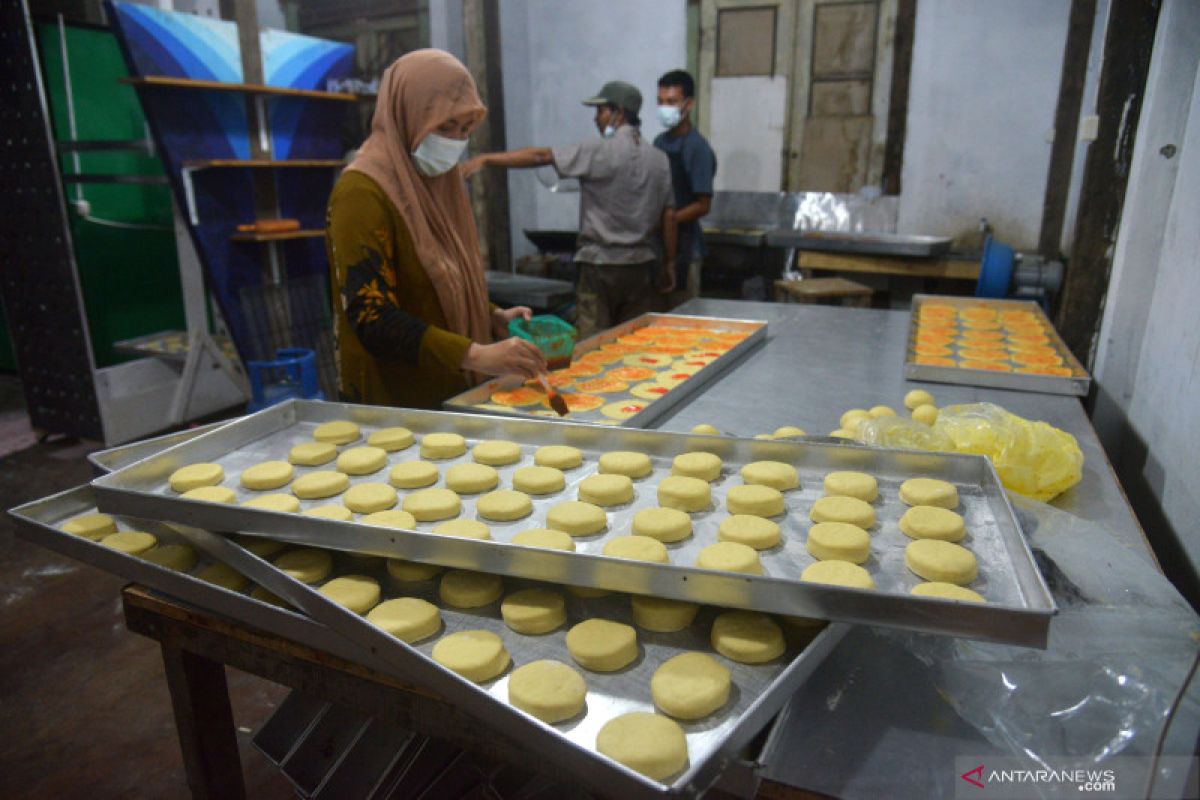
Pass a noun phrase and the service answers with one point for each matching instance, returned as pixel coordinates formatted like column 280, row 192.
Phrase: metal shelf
column 164, row 82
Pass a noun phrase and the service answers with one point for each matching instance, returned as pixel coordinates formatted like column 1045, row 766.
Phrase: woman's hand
column 472, row 165
column 502, row 316
column 513, row 355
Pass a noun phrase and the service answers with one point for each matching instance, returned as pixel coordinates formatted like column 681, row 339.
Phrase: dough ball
column 588, row 592
column 558, row 456
column 133, row 543
column 788, row 432
column 337, row 432
column 730, row 557
column 626, row 462
column 546, row 689
column 179, row 557
column 193, row 476
column 577, row 519
column 413, row 475
column 539, row 480
column 312, row 454
column 212, row 494
column 275, row 502
column 929, row 492
column 504, row 505
column 392, row 518
column 443, row 445
column 881, row 411
column 917, row 398
column 225, row 576
column 91, row 526
column 606, row 490
column 533, row 611
column 838, row 573
column 544, row 537
column 842, row 434
column 690, row 686
column 465, row 589
column 931, row 522
column 623, row 409
column 684, row 494
column 267, row 475
column 362, row 460
column 367, row 498
column 409, row 619
column 478, row 656
column 752, row 531
column 391, row 439
column 647, row 743
column 335, row 512
column 602, row 645
column 660, row 614
column 356, row 592
column 843, row 509
column 853, row 418
column 766, row 437
column 760, row 501
column 306, row 564
column 940, row 561
column 775, row 474
column 705, row 466
column 472, row 478
column 497, row 452
column 263, row 548
column 431, row 505
column 852, row 484
column 320, row 484
column 926, row 414
column 637, row 548
column 463, row 528
column 838, row 541
column 663, row 524
column 947, row 591
column 705, row 429
column 747, row 637
column 402, row 571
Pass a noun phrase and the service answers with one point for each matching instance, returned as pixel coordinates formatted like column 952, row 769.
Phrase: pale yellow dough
column 307, row 564
column 465, row 589
column 838, row 573
column 788, row 432
column 275, row 502
column 838, row 541
column 647, row 743
column 577, row 519
column 752, row 531
column 690, row 686
column 413, row 475
column 320, row 484
column 917, row 398
column 926, row 414
column 931, row 522
column 391, row 439
column 663, row 524
column 262, row 548
column 212, row 494
column 223, row 575
column 947, row 591
column 478, row 656
column 443, row 445
column 339, row 513
column 337, row 432
column 368, row 498
column 91, row 526
column 843, row 509
column 431, row 505
column 606, row 490
column 539, row 480
column 775, row 474
column 392, row 518
column 312, row 454
column 409, row 619
column 705, row 429
column 179, row 557
column 559, row 456
column 356, row 592
column 941, row 562
column 841, row 433
column 625, row 462
column 684, row 494
column 362, row 460
column 267, row 596
column 533, row 611
column 402, row 571
column 761, row 501
column 544, row 537
column 497, row 452
column 852, row 484
column 853, row 418
column 267, row 475
column 637, row 548
column 881, row 411
column 472, row 478
column 588, row 592
column 660, row 614
column 705, row 466
column 504, row 505
column 133, row 543
column 463, row 528
column 601, row 645
column 546, row 689
column 730, row 557
column 929, row 492
column 193, row 476
column 747, row 637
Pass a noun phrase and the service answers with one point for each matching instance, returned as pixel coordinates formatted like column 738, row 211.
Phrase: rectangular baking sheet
column 168, row 345
column 473, row 400
column 1077, row 384
column 866, row 242
column 1018, row 607
column 114, row 458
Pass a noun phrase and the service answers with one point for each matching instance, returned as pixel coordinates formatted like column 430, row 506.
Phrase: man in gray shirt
column 626, row 202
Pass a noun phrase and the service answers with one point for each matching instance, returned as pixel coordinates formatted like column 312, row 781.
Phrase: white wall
column 746, row 130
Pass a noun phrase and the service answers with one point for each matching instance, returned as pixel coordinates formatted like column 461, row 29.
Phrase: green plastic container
column 555, row 338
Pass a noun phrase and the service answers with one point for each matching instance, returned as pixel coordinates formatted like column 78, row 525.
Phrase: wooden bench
column 816, row 290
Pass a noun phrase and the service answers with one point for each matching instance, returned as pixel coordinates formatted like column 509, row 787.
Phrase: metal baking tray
column 866, row 242
column 168, row 345
column 735, row 237
column 478, row 398
column 114, row 458
column 1079, row 383
column 760, row 689
column 1019, row 605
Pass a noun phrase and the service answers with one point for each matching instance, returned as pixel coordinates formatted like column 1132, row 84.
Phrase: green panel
column 130, row 276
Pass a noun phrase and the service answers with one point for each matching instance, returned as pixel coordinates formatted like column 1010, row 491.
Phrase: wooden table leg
column 204, row 720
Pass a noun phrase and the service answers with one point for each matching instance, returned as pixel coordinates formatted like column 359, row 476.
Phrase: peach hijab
column 417, row 93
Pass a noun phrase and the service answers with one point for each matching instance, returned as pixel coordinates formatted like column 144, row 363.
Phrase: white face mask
column 670, row 116
column 436, row 154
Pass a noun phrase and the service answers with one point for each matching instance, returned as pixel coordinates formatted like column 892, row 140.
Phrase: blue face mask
column 670, row 116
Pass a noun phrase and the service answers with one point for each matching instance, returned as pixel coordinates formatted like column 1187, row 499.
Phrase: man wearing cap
column 626, row 202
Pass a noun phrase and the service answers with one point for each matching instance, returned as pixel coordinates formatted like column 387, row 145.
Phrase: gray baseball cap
column 617, row 93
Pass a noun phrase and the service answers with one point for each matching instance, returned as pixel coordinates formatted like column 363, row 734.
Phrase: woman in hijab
column 413, row 322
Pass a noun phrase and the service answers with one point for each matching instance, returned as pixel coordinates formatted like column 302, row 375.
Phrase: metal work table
column 513, row 289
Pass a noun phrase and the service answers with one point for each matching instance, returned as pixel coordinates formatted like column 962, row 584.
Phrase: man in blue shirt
column 693, row 166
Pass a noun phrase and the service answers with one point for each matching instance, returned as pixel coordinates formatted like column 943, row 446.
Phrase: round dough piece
column 947, row 591
column 760, row 501
column 663, row 524
column 320, row 484
column 413, row 475
column 212, row 494
column 926, row 414
column 705, row 429
column 478, row 656
column 750, row 530
column 637, row 548
column 307, row 564
column 275, row 502
column 472, row 478
column 690, row 686
column 842, row 434
column 179, row 557
column 466, row 589
column 340, row 431
column 685, row 494
column 403, row 571
column 533, row 611
column 606, row 490
column 747, row 637
column 626, row 462
column 312, row 454
column 932, row 522
column 463, row 528
column 881, row 411
column 504, row 505
column 391, row 439
column 838, row 541
column 577, row 519
column 367, row 498
column 929, row 492
column 602, row 645
column 356, row 592
column 647, row 743
column 339, row 513
column 133, row 543
column 392, row 518
column 588, row 592
column 263, row 548
column 362, row 460
column 544, row 537
column 225, row 576
column 91, row 526
column 705, row 466
column 776, row 474
column 539, row 480
column 660, row 614
column 443, row 445
column 788, row 432
column 730, row 557
column 409, row 619
column 853, row 418
column 917, row 398
column 650, row 390
column 838, row 573
column 546, row 689
column 431, row 505
column 267, row 475
column 559, row 456
column 843, row 509
column 496, row 452
column 942, row 562
column 852, row 484
column 193, row 476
